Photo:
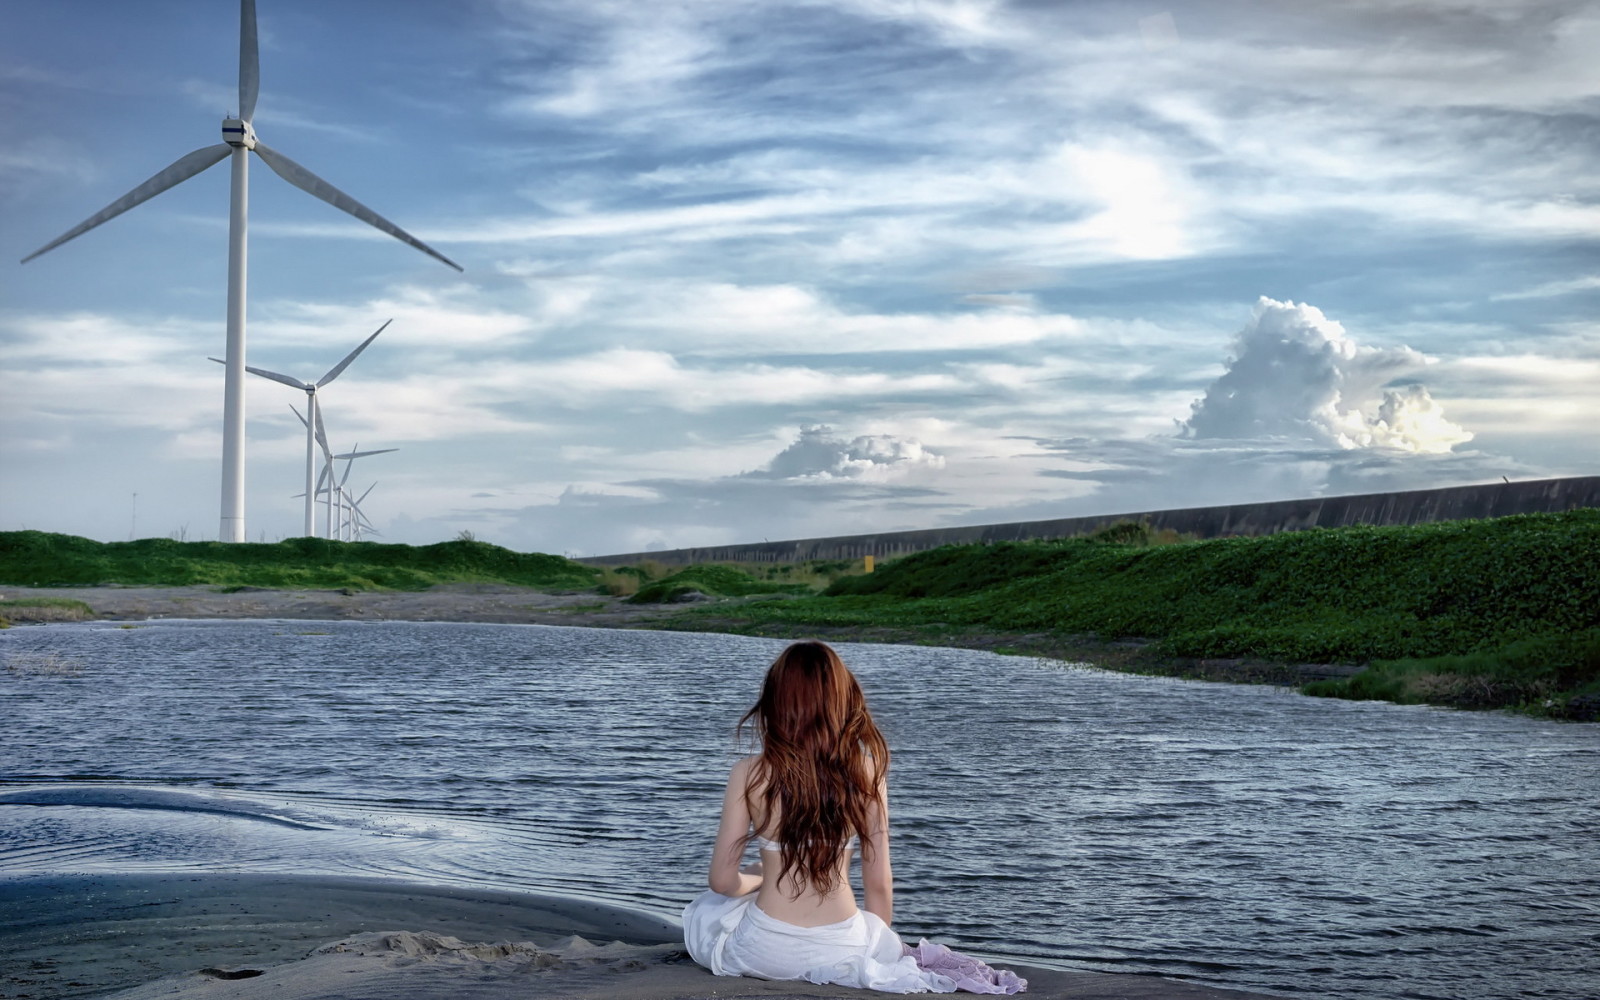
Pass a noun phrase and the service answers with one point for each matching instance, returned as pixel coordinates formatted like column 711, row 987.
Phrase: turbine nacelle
column 238, row 132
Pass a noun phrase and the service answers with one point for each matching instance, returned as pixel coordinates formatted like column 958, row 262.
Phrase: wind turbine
column 312, row 492
column 238, row 141
column 358, row 519
column 350, row 462
column 310, row 389
column 335, row 489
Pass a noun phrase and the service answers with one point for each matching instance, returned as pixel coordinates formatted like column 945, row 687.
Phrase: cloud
column 422, row 317
column 27, row 163
column 1296, row 375
column 817, row 454
column 1550, row 289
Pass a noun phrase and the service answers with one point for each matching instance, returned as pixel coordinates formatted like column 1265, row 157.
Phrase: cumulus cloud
column 1297, row 375
column 817, row 454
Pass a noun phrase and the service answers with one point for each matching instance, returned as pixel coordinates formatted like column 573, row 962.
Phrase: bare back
column 791, row 898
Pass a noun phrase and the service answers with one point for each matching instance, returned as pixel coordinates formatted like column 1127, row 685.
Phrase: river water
column 1243, row 836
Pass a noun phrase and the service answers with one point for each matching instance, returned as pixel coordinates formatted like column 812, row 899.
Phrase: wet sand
column 284, row 937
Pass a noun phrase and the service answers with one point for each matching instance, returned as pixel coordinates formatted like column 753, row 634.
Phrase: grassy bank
column 43, row 609
column 1509, row 599
column 1475, row 614
column 40, row 559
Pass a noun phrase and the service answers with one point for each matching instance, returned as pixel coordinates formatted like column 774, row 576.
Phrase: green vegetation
column 39, row 559
column 650, row 582
column 44, row 602
column 1470, row 589
column 1472, row 614
column 43, row 609
column 1557, row 675
column 712, row 579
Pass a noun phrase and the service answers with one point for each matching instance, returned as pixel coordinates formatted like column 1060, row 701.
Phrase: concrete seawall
column 1412, row 507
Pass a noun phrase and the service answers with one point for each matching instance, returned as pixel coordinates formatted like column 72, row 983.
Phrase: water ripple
column 1236, row 835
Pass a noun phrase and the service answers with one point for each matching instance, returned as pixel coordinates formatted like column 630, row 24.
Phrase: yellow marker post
column 869, row 563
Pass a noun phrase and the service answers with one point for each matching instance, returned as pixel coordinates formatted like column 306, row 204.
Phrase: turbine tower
column 310, row 389
column 238, row 141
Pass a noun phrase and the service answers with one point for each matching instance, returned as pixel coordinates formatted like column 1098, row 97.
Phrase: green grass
column 715, row 579
column 1556, row 675
column 44, row 602
column 1347, row 595
column 1495, row 613
column 43, row 609
column 40, row 559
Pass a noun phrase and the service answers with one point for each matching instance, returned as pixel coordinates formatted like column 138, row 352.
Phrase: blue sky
column 740, row 271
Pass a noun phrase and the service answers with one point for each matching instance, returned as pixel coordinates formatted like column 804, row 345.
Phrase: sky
column 740, row 271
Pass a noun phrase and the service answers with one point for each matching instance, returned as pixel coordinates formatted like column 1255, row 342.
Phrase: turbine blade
column 296, row 413
column 180, row 170
column 333, row 372
column 249, row 60
column 293, row 383
column 310, row 183
column 364, row 495
column 321, row 478
column 348, row 465
column 353, row 455
column 322, row 438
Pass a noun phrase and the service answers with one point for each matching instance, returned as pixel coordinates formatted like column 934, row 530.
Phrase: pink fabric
column 969, row 973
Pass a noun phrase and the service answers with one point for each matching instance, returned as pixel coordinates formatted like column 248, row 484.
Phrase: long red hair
column 822, row 760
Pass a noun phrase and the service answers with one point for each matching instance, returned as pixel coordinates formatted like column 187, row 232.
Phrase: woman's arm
column 877, row 876
column 725, row 876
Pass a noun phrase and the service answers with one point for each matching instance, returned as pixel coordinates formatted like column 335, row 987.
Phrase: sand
column 286, row 937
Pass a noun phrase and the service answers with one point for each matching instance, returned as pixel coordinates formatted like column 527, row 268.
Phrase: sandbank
column 287, row 937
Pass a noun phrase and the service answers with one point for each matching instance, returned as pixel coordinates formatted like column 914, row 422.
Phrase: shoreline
column 298, row 937
column 504, row 604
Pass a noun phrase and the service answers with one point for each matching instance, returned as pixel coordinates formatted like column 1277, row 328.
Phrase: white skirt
column 731, row 936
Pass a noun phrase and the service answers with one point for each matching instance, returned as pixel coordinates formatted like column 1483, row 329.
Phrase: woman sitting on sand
column 815, row 793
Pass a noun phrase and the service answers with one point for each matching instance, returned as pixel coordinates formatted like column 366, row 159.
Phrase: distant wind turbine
column 346, row 503
column 238, row 140
column 358, row 520
column 310, row 389
column 335, row 491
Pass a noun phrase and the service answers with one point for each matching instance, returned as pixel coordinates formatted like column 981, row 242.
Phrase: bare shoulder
column 743, row 768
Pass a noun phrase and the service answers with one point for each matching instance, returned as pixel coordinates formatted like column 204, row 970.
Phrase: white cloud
column 1295, row 374
column 818, row 454
column 422, row 317
column 632, row 380
column 955, row 22
column 1142, row 215
column 1550, row 289
column 726, row 318
column 25, row 163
